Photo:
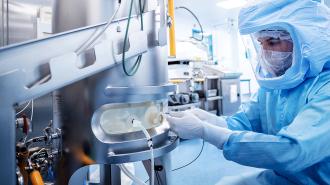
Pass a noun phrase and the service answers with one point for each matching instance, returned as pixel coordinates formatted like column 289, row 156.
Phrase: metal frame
column 159, row 151
column 4, row 22
column 33, row 69
column 208, row 98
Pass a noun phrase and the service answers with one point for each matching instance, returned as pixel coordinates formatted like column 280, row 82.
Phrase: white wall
column 327, row 2
column 223, row 25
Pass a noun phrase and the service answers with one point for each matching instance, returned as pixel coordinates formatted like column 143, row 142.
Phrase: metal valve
column 24, row 124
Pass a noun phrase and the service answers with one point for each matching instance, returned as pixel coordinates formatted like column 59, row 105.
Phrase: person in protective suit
column 285, row 128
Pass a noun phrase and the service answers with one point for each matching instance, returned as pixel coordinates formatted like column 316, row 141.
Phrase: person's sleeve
column 248, row 116
column 306, row 141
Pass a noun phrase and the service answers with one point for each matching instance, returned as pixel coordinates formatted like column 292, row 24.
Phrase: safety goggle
column 273, row 36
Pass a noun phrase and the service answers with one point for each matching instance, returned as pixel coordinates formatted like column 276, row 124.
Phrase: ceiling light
column 231, row 4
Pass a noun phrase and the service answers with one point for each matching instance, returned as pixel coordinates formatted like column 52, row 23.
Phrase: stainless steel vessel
column 90, row 91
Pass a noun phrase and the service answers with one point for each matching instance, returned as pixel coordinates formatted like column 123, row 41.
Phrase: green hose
column 132, row 71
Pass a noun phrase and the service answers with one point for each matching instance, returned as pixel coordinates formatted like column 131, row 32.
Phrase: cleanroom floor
column 208, row 169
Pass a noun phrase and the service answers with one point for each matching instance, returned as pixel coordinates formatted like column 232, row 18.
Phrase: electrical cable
column 199, row 23
column 137, row 63
column 31, row 118
column 199, row 154
column 94, row 38
column 132, row 71
column 152, row 163
column 160, row 180
column 26, row 106
column 91, row 40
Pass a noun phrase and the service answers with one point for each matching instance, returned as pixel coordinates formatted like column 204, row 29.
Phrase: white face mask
column 275, row 62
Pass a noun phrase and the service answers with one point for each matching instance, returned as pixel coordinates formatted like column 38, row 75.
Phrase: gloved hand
column 209, row 117
column 188, row 126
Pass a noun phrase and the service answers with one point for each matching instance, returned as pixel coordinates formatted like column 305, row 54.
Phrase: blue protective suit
column 286, row 126
column 308, row 23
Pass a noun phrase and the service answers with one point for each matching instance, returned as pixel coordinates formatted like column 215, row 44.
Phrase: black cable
column 199, row 154
column 158, row 178
column 199, row 23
